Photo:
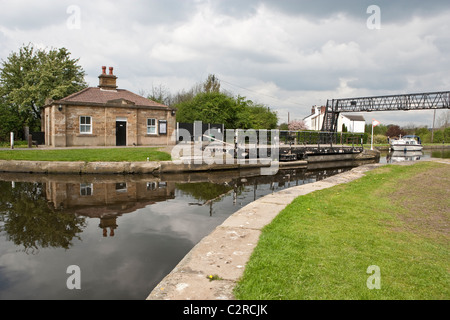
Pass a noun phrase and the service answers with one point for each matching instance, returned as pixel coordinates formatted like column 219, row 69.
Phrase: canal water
column 123, row 233
column 399, row 156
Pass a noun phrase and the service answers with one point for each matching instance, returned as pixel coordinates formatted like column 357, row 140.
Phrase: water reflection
column 28, row 220
column 125, row 232
column 399, row 156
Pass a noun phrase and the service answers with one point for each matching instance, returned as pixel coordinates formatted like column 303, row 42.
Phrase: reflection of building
column 107, row 200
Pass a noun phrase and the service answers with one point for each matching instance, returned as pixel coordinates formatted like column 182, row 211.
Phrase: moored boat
column 406, row 143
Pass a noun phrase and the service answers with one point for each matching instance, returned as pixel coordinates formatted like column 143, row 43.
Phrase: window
column 121, row 187
column 85, row 124
column 151, row 126
column 162, row 127
column 86, row 189
column 151, row 185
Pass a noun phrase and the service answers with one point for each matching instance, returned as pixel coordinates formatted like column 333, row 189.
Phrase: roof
column 354, row 117
column 98, row 96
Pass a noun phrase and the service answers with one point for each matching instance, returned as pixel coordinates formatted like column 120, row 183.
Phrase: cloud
column 288, row 54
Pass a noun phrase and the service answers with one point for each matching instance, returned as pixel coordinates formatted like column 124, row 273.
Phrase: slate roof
column 354, row 117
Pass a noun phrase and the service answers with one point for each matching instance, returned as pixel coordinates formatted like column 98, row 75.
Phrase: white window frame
column 85, row 125
column 86, row 189
column 162, row 124
column 150, row 126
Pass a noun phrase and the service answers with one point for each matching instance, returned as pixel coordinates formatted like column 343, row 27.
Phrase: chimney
column 107, row 81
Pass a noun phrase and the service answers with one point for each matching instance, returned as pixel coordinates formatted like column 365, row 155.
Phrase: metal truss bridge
column 414, row 101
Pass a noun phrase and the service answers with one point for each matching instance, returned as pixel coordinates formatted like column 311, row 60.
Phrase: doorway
column 121, row 133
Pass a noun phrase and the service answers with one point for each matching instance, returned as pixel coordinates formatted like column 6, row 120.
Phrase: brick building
column 107, row 116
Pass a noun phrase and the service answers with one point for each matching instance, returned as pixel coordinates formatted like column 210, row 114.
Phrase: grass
column 322, row 244
column 88, row 155
column 17, row 144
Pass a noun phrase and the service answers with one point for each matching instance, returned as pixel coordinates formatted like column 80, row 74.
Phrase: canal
column 124, row 233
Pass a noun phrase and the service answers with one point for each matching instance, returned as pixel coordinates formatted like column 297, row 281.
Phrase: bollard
column 12, row 140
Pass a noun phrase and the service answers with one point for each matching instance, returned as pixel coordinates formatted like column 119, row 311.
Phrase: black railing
column 321, row 137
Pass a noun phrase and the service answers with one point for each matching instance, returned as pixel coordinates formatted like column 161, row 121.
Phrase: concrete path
column 226, row 250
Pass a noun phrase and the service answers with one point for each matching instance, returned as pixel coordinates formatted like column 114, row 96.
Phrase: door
column 121, row 133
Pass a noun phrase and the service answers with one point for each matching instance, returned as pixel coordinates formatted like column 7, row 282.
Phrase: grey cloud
column 154, row 12
column 26, row 15
column 398, row 10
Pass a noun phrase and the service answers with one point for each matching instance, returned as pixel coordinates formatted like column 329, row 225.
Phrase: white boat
column 406, row 143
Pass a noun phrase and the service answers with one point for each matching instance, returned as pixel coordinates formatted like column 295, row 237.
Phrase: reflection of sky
column 148, row 243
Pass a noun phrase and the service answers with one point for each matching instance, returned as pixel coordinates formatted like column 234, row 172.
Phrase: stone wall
column 62, row 125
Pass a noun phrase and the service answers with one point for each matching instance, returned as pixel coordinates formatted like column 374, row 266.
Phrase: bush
column 379, row 139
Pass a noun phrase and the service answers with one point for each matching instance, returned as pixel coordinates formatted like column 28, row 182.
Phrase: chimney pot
column 107, row 81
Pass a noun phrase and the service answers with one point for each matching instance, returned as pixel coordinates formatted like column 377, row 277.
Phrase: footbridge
column 413, row 101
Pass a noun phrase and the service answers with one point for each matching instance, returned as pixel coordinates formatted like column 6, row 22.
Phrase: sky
column 287, row 54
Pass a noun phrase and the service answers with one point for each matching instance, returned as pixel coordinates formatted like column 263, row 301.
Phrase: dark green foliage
column 28, row 78
column 206, row 103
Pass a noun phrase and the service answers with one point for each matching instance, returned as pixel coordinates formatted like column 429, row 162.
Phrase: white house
column 315, row 120
column 353, row 123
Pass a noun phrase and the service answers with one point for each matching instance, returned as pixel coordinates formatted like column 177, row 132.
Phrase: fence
column 320, row 137
column 196, row 130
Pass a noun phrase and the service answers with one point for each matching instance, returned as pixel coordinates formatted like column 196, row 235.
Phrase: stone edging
column 81, row 167
column 226, row 250
column 142, row 167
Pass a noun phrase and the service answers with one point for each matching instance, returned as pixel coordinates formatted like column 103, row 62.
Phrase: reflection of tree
column 203, row 191
column 441, row 154
column 28, row 220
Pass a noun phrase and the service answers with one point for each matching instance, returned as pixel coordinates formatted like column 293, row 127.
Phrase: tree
column 297, row 125
column 211, row 84
column 210, row 105
column 160, row 94
column 395, row 131
column 379, row 129
column 253, row 115
column 283, row 126
column 444, row 119
column 344, row 128
column 31, row 76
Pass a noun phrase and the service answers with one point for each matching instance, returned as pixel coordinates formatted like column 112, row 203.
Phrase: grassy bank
column 88, row 155
column 322, row 244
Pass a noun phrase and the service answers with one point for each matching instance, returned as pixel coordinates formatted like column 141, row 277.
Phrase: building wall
column 315, row 120
column 352, row 126
column 62, row 127
column 70, row 195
